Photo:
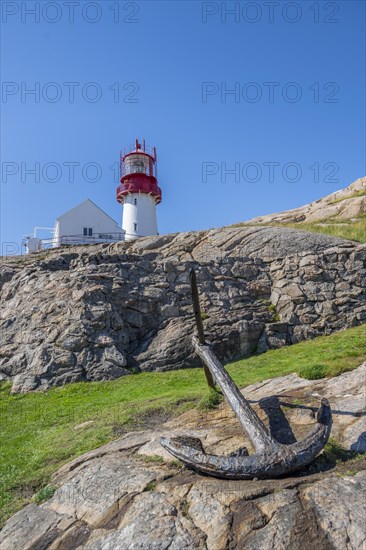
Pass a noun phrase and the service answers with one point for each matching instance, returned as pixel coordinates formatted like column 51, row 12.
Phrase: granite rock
column 99, row 312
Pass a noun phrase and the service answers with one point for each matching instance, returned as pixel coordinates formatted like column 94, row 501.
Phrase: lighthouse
column 139, row 192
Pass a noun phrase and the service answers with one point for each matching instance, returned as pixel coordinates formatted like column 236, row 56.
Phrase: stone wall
column 105, row 311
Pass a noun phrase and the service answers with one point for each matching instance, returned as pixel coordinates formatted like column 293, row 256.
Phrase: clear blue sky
column 170, row 51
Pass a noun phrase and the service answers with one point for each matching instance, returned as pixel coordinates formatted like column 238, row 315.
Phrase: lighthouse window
column 135, row 226
column 138, row 166
column 134, row 201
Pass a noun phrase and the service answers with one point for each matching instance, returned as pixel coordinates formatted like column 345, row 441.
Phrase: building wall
column 69, row 227
column 139, row 216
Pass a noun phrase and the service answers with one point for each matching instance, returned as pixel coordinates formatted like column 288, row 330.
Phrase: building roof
column 85, row 202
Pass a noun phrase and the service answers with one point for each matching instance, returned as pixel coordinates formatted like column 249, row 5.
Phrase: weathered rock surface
column 347, row 203
column 115, row 497
column 104, row 311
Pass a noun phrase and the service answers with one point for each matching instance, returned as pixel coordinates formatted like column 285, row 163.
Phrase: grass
column 314, row 372
column 345, row 462
column 353, row 230
column 360, row 193
column 41, row 431
column 156, row 459
column 44, row 494
column 210, row 401
column 334, row 453
column 25, row 259
column 345, row 229
column 150, row 486
column 272, row 309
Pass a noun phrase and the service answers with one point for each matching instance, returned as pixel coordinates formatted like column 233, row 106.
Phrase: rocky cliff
column 346, row 204
column 130, row 494
column 105, row 311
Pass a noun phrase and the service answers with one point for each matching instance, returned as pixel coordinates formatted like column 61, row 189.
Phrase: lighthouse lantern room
column 139, row 192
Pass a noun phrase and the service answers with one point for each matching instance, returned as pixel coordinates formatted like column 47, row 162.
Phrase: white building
column 84, row 224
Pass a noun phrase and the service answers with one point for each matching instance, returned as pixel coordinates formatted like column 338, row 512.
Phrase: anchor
column 270, row 459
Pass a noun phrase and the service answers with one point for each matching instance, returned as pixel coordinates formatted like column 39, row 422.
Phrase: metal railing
column 143, row 149
column 74, row 240
column 66, row 240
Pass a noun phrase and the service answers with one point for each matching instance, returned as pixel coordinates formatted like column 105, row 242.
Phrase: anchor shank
column 250, row 421
column 199, row 324
column 196, row 306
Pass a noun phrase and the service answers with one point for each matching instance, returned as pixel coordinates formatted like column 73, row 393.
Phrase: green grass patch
column 334, row 453
column 353, row 230
column 42, row 431
column 347, row 463
column 345, row 229
column 210, row 401
column 360, row 193
column 44, row 494
column 275, row 316
column 150, row 486
column 155, row 459
column 175, row 464
column 338, row 353
column 314, row 372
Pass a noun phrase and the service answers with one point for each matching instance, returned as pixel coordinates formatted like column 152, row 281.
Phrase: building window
column 135, row 226
column 88, row 231
column 134, row 201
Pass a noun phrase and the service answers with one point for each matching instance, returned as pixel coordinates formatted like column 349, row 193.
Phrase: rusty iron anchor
column 271, row 458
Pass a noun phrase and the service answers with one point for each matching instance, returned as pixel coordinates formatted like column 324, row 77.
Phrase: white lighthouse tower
column 139, row 192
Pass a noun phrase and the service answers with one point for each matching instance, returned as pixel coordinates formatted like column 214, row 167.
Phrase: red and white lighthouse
column 139, row 192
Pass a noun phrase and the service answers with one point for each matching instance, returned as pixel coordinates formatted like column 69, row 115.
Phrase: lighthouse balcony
column 147, row 188
column 139, row 148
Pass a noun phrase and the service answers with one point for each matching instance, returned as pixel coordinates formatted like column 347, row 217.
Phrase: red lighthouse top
column 138, row 171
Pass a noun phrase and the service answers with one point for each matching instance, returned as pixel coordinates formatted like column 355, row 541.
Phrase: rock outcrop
column 103, row 311
column 129, row 493
column 345, row 204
